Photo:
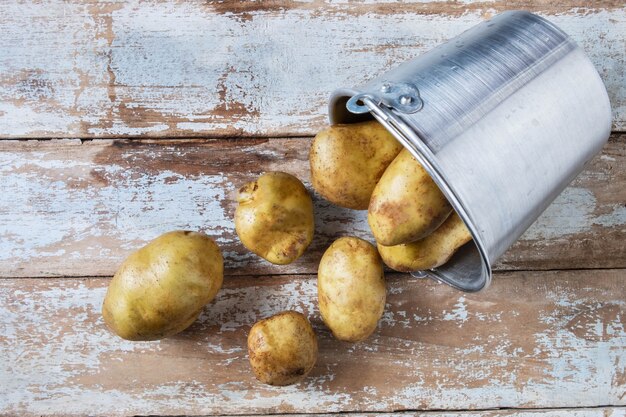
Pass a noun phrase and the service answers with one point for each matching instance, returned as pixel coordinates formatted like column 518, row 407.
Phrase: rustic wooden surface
column 91, row 203
column 534, row 339
column 249, row 81
column 572, row 412
column 196, row 68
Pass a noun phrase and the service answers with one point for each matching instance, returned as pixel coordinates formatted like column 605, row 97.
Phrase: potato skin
column 432, row 251
column 351, row 288
column 274, row 217
column 282, row 348
column 406, row 204
column 160, row 289
column 348, row 160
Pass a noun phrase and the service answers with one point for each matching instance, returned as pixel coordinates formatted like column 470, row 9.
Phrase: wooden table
column 140, row 117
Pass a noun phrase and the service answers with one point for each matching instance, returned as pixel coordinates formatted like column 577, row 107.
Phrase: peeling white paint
column 123, row 130
column 69, row 210
column 571, row 213
column 177, row 68
column 59, row 357
column 167, row 202
column 459, row 313
column 24, row 121
column 617, row 217
column 62, row 210
column 132, row 210
column 246, row 306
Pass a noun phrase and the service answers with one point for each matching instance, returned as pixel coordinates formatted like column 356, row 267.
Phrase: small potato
column 274, row 218
column 348, row 160
column 351, row 288
column 428, row 253
column 282, row 348
column 160, row 289
column 406, row 204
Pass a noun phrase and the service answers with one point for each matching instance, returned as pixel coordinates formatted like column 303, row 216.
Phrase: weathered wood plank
column 73, row 209
column 128, row 68
column 571, row 412
column 534, row 339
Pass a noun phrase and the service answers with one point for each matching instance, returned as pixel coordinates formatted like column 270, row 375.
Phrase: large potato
column 432, row 251
column 406, row 204
column 160, row 289
column 351, row 288
column 348, row 160
column 274, row 217
column 282, row 348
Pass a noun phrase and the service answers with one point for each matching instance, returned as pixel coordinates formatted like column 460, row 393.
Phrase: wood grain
column 77, row 209
column 170, row 68
column 534, row 339
column 571, row 412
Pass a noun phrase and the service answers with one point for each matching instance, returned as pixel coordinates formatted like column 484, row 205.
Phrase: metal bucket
column 502, row 117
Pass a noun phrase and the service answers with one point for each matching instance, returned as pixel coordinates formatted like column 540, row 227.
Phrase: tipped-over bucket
column 503, row 117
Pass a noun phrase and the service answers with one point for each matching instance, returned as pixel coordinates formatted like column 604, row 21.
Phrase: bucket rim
column 411, row 140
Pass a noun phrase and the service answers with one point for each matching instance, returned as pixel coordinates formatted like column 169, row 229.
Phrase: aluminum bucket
column 503, row 117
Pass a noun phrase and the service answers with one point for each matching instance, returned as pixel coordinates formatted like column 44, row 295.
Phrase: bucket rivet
column 385, row 88
column 406, row 100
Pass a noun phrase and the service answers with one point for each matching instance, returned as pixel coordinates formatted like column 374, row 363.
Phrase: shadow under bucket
column 503, row 117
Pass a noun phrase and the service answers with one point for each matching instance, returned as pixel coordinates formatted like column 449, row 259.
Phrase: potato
column 406, row 204
column 160, row 289
column 351, row 288
column 282, row 348
column 274, row 217
column 430, row 252
column 348, row 160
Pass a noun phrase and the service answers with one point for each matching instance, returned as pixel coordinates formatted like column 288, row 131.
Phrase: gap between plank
column 433, row 411
column 288, row 136
column 304, row 275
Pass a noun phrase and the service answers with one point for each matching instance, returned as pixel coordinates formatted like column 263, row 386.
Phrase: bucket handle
column 402, row 97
